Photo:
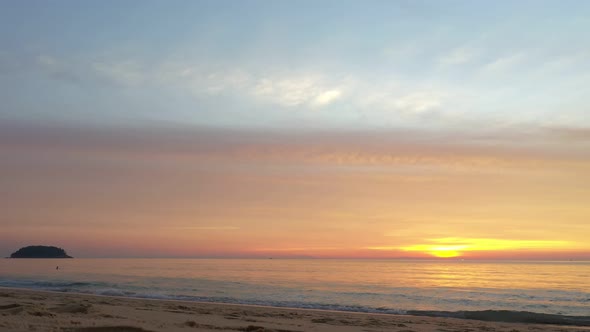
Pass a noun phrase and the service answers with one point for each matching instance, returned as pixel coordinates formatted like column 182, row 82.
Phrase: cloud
column 205, row 228
column 47, row 61
column 564, row 62
column 84, row 71
column 407, row 148
column 288, row 91
column 202, row 82
column 503, row 64
column 458, row 56
column 575, row 134
column 296, row 249
column 59, row 70
column 288, row 94
column 327, row 97
column 128, row 73
column 204, row 182
column 419, row 102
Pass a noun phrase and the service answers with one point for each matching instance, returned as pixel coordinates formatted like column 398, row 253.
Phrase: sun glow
column 442, row 251
column 455, row 247
column 445, row 253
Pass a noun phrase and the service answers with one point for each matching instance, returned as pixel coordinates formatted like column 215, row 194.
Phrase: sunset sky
column 382, row 129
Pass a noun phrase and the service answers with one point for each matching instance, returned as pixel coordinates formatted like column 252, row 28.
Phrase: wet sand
column 25, row 310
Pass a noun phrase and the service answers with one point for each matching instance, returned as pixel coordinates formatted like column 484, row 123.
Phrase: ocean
column 441, row 287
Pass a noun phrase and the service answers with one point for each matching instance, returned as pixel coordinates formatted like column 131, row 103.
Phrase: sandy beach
column 25, row 310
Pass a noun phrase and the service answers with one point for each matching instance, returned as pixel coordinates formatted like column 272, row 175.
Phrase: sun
column 440, row 251
column 445, row 251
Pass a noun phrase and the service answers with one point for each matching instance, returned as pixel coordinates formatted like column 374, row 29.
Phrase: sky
column 363, row 129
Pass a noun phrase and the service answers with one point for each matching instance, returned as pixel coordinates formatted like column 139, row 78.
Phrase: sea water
column 377, row 286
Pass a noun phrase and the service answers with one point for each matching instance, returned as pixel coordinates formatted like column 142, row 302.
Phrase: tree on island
column 40, row 252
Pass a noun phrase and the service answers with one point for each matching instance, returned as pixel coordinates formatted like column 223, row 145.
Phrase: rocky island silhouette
column 40, row 252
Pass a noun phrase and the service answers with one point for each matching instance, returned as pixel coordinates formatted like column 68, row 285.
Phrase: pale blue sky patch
column 332, row 64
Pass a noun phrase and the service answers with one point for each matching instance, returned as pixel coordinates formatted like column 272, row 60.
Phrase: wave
column 266, row 303
column 44, row 284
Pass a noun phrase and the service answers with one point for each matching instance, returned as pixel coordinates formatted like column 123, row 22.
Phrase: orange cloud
column 331, row 194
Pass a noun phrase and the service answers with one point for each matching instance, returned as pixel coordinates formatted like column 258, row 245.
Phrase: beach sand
column 25, row 310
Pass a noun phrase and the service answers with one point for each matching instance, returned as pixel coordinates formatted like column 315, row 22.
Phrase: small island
column 40, row 252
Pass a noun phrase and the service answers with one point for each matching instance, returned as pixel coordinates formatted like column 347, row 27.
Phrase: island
column 40, row 252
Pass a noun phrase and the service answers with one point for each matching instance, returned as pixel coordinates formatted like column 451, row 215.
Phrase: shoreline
column 25, row 310
column 489, row 315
